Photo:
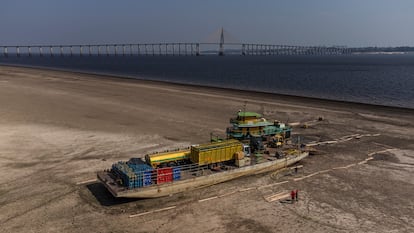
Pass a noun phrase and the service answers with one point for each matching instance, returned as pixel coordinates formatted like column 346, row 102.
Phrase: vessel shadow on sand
column 104, row 197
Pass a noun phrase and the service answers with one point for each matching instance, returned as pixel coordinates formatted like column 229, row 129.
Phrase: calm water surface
column 375, row 79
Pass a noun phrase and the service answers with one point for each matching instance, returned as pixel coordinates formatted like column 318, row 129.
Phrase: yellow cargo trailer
column 156, row 160
column 215, row 152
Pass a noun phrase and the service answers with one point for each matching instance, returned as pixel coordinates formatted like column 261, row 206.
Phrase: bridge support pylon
column 221, row 49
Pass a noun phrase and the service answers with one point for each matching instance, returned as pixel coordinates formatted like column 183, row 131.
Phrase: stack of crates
column 148, row 177
column 127, row 175
column 176, row 173
column 164, row 175
column 143, row 173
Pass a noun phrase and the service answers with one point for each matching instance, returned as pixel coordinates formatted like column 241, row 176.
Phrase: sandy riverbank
column 58, row 128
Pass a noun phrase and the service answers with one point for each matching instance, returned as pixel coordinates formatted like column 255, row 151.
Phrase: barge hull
column 196, row 182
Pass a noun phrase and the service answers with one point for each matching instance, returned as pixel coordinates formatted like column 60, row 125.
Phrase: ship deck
column 198, row 178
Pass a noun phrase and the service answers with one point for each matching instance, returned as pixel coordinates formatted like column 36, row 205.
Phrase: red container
column 164, row 175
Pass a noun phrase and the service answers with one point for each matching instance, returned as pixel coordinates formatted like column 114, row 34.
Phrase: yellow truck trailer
column 217, row 152
column 158, row 159
column 204, row 154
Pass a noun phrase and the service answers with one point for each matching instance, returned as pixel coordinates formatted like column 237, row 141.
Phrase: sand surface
column 57, row 129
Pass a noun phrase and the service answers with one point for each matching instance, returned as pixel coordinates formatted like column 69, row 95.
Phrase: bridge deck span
column 168, row 49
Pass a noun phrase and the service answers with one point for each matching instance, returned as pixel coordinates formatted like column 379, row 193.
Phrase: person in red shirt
column 293, row 195
column 296, row 195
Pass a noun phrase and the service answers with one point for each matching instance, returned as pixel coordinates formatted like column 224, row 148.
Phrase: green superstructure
column 250, row 124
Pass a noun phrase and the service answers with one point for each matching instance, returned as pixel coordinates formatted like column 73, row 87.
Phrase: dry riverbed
column 57, row 129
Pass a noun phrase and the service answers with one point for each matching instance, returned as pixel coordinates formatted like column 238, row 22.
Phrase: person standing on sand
column 296, row 195
column 293, row 195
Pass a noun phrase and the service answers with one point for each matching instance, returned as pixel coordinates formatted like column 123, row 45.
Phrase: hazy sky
column 295, row 22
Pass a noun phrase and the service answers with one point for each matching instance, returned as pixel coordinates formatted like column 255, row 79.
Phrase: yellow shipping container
column 215, row 152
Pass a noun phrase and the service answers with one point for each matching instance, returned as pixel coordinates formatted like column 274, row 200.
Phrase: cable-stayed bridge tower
column 221, row 50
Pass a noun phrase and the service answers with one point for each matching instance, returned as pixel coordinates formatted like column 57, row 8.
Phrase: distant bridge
column 168, row 49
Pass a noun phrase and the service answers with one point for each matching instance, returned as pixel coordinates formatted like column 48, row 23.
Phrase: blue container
column 123, row 171
column 176, row 173
column 138, row 183
column 143, row 174
column 147, row 178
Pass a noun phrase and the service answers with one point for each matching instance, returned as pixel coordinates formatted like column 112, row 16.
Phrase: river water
column 375, row 79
